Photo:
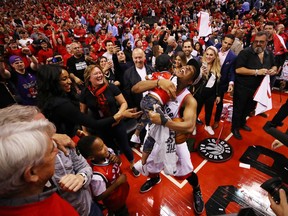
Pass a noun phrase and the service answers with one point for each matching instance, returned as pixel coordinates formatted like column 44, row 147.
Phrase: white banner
column 204, row 24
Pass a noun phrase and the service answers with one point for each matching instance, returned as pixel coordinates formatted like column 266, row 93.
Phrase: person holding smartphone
column 206, row 92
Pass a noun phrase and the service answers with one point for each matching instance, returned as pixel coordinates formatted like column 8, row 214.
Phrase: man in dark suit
column 227, row 59
column 133, row 75
column 173, row 47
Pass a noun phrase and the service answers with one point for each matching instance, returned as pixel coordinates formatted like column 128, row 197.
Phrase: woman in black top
column 57, row 100
column 120, row 65
column 206, row 92
column 105, row 99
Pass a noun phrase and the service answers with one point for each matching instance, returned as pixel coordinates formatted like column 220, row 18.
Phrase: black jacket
column 131, row 77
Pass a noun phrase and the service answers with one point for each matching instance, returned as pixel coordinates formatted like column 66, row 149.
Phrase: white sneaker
column 194, row 131
column 209, row 130
column 141, row 168
column 135, row 139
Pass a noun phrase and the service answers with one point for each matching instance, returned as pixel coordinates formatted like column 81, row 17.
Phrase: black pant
column 116, row 137
column 243, row 105
column 207, row 98
column 219, row 108
column 281, row 114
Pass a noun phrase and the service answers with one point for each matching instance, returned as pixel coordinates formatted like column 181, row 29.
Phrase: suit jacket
column 227, row 71
column 131, row 77
column 170, row 49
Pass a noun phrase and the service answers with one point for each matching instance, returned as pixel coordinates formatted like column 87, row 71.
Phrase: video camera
column 272, row 186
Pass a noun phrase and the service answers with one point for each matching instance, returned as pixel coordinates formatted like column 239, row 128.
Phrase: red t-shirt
column 53, row 205
column 44, row 54
column 111, row 172
column 160, row 92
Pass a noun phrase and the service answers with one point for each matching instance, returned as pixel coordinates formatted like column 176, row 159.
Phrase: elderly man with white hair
column 173, row 47
column 72, row 173
column 27, row 163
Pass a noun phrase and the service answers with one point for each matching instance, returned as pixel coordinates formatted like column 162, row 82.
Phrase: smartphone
column 204, row 64
column 117, row 43
column 86, row 51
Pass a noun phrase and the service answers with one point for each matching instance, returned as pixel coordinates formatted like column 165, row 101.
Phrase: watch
column 84, row 176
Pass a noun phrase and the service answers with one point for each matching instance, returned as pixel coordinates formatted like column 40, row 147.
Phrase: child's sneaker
column 135, row 139
column 209, row 130
column 141, row 168
column 135, row 172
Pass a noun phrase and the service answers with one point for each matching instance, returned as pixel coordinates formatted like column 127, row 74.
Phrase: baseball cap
column 42, row 41
column 14, row 58
column 163, row 62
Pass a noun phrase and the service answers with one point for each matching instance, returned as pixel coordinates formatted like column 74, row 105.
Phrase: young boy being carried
column 155, row 98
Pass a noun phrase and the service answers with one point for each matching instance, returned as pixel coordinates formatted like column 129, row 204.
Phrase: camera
column 55, row 59
column 270, row 128
column 272, row 186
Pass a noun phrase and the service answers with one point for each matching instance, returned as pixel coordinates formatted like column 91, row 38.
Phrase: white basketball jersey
column 172, row 107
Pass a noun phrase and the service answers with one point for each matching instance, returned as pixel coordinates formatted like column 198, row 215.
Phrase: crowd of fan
column 29, row 23
column 111, row 36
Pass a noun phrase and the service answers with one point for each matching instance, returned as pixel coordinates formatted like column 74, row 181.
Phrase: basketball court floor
column 227, row 186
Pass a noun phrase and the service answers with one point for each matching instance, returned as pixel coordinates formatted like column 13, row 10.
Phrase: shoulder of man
column 129, row 70
column 149, row 69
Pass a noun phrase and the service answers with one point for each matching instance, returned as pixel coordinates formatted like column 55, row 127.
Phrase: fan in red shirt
column 79, row 32
column 13, row 49
column 44, row 53
column 59, row 45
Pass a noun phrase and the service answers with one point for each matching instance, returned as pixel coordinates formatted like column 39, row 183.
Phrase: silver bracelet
column 256, row 72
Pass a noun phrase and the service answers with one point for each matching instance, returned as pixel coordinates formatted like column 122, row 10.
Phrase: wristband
column 163, row 120
column 256, row 72
column 30, row 55
column 158, row 83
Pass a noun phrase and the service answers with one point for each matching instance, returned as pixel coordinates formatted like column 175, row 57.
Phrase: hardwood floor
column 226, row 187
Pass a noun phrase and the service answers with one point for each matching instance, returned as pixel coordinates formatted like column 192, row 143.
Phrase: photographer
column 270, row 127
column 280, row 209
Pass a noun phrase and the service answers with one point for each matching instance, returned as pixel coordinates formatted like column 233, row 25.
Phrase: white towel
column 263, row 96
column 167, row 147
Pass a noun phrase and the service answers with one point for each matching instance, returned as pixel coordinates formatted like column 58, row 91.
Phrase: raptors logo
column 215, row 151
